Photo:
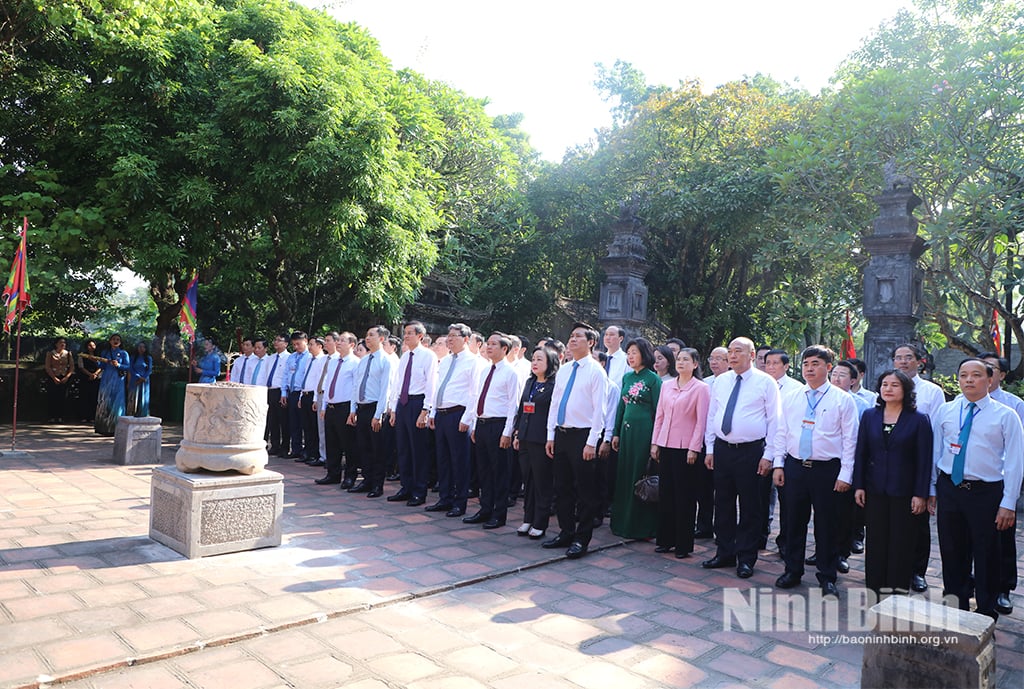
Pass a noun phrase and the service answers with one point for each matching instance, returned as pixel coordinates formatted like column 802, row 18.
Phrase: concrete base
column 138, row 440
column 919, row 644
column 208, row 513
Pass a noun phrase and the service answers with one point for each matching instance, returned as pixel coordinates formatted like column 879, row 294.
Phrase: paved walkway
column 364, row 593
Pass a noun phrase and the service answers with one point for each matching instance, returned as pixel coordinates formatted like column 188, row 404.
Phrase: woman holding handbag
column 678, row 446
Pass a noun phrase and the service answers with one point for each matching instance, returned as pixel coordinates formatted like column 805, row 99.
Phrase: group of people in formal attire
column 573, row 427
column 104, row 385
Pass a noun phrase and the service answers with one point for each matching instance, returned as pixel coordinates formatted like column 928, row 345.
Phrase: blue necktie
column 807, row 431
column 565, row 395
column 957, row 475
column 306, row 374
column 730, row 407
column 270, row 376
column 447, row 377
column 241, row 374
column 255, row 372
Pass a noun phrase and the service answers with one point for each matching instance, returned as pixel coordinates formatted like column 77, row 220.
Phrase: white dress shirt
column 321, row 383
column 617, row 367
column 929, row 396
column 236, row 368
column 463, row 385
column 257, row 371
column 311, row 378
column 995, row 447
column 423, row 380
column 611, row 408
column 1010, row 400
column 378, row 369
column 279, row 371
column 757, row 409
column 585, row 405
column 502, row 399
column 835, row 428
column 344, row 367
column 788, row 385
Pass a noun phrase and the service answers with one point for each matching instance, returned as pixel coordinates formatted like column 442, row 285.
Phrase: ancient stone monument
column 219, row 498
column 623, row 292
column 138, row 440
column 892, row 278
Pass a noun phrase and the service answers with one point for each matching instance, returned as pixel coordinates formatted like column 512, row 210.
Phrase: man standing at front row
column 575, row 422
column 743, row 413
column 411, row 401
column 979, row 461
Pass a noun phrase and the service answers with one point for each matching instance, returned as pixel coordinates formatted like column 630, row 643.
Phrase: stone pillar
column 223, row 428
column 138, row 440
column 624, row 292
column 892, row 279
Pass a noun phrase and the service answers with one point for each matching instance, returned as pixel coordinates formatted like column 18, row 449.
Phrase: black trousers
column 413, row 462
column 493, row 466
column 338, row 436
column 276, row 432
column 310, row 430
column 295, row 423
column 705, row 492
column 576, row 485
column 677, row 498
column 965, row 521
column 808, row 487
column 371, row 445
column 891, row 541
column 540, row 485
column 452, row 458
column 736, row 477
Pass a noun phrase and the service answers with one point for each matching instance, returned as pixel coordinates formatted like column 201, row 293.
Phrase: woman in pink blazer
column 678, row 446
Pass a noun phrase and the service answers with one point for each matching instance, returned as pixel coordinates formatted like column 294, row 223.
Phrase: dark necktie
column 366, row 375
column 608, row 364
column 334, row 380
column 403, row 396
column 730, row 407
column 241, row 374
column 270, row 376
column 483, row 393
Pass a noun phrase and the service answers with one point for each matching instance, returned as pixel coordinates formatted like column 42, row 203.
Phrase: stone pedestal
column 918, row 644
column 207, row 513
column 223, row 428
column 138, row 440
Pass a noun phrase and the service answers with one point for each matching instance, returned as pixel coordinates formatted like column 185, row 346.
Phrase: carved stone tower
column 892, row 278
column 623, row 292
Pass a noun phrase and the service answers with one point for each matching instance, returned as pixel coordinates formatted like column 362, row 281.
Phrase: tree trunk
column 168, row 347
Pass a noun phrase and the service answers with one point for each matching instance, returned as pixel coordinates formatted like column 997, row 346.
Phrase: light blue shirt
column 995, row 449
column 296, row 365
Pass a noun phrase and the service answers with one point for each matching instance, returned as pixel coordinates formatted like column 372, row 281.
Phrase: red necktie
column 483, row 393
column 403, row 397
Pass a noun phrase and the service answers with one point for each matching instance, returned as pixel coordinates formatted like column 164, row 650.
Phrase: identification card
column 954, row 448
column 529, row 407
column 808, row 425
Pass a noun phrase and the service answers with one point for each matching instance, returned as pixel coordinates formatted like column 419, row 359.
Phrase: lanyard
column 973, row 414
column 814, row 407
column 536, row 388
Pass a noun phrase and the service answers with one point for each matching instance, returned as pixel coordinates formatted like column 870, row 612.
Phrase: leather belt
column 810, row 463
column 491, row 419
column 457, row 409
column 968, row 484
column 737, row 446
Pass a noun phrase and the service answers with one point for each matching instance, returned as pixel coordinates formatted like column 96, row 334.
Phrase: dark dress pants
column 338, row 437
column 452, row 458
column 677, row 498
column 705, row 492
column 310, row 432
column 965, row 521
column 295, row 423
column 735, row 476
column 493, row 468
column 370, row 445
column 413, row 463
column 891, row 534
column 807, row 487
column 540, row 488
column 277, row 417
column 576, row 485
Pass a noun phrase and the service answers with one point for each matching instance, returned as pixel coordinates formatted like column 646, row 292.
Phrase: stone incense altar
column 218, row 498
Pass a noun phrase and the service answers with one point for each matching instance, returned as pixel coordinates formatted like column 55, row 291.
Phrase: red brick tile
column 257, row 675
column 740, row 666
column 42, row 606
column 83, row 652
column 21, row 667
column 404, row 667
column 220, row 623
column 321, row 671
column 791, row 680
column 479, row 661
column 671, row 672
column 32, row 633
column 162, row 635
column 796, row 659
column 600, row 675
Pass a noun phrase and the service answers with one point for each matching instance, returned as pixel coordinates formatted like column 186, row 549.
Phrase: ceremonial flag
column 849, row 351
column 16, row 293
column 994, row 332
column 187, row 317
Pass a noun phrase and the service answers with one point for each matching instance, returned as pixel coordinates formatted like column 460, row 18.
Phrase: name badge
column 954, row 448
column 529, row 407
column 808, row 425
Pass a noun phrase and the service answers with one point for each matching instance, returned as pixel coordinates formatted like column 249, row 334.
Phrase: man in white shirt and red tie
column 743, row 413
column 411, row 401
column 459, row 373
column 976, row 478
column 575, row 422
column 490, row 418
column 333, row 406
column 813, row 450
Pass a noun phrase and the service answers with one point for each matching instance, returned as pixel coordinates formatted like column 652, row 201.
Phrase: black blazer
column 900, row 467
column 533, row 428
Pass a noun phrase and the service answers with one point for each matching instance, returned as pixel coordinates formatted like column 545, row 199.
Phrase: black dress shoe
column 511, row 501
column 375, row 492
column 576, row 550
column 326, row 481
column 682, row 555
column 829, row 588
column 663, row 549
column 788, row 580
column 347, row 483
column 316, row 463
column 558, row 541
column 494, row 523
column 416, row 501
column 701, row 535
column 918, row 584
column 812, row 560
column 843, row 566
column 478, row 518
column 474, row 493
column 598, row 521
column 857, row 547
column 455, row 512
column 400, row 496
column 361, row 487
column 1003, row 604
column 718, row 562
column 744, row 571
column 297, row 458
column 393, row 477
column 439, row 507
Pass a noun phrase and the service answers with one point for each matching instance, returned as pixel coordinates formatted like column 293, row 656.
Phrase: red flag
column 849, row 351
column 16, row 293
column 994, row 332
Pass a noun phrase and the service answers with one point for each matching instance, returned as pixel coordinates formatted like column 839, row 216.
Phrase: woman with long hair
column 60, row 366
column 138, row 381
column 89, row 373
column 114, row 364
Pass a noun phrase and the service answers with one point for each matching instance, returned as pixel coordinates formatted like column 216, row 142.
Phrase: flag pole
column 17, row 370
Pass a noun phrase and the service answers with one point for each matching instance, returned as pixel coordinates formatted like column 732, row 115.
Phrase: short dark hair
column 646, row 349
column 394, row 342
column 601, row 357
column 551, row 343
column 1004, row 363
column 524, row 341
column 588, row 331
column 417, row 327
column 299, row 335
column 859, row 363
column 762, row 348
column 819, row 352
column 503, row 340
column 258, row 339
column 461, row 328
column 909, row 395
column 552, row 359
column 988, row 367
column 676, row 341
column 918, row 354
column 618, row 331
column 382, row 332
column 781, row 353
column 849, row 367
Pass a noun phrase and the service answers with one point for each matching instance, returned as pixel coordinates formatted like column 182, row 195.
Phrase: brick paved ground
column 364, row 593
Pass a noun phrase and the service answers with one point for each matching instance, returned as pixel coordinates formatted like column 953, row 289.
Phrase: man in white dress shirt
column 976, row 478
column 277, row 414
column 334, row 403
column 615, row 365
column 574, row 427
column 776, row 364
column 718, row 363
column 743, row 413
column 813, row 458
column 909, row 358
column 307, row 402
column 241, row 367
column 368, row 409
column 411, row 400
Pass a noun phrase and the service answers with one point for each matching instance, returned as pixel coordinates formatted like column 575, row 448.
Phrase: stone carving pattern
column 237, row 519
column 169, row 514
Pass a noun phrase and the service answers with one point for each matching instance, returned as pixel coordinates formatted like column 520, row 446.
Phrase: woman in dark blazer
column 891, row 474
column 530, row 436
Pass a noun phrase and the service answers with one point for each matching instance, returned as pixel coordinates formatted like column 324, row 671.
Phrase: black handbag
column 646, row 489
